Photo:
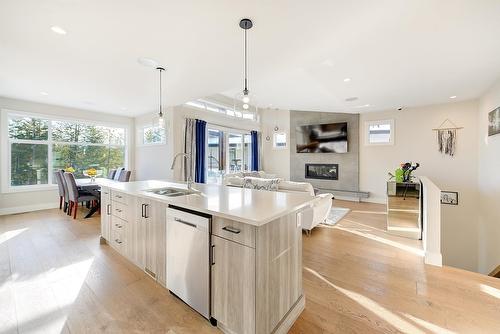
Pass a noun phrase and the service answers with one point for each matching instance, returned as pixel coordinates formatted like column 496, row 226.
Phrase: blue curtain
column 201, row 129
column 255, row 151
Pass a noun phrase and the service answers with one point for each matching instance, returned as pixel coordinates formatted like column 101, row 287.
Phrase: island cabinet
column 121, row 224
column 151, row 220
column 105, row 213
column 256, row 275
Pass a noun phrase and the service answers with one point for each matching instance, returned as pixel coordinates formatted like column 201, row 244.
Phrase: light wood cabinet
column 233, row 285
column 257, row 290
column 106, row 213
column 150, row 217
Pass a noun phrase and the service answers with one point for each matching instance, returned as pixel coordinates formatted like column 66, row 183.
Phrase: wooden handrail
column 495, row 272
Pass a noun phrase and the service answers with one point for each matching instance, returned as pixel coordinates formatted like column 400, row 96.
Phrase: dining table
column 92, row 187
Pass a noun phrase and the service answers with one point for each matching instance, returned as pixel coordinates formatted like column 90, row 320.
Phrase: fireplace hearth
column 322, row 171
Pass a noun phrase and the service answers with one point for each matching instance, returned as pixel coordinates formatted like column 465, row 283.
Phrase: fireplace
column 322, row 171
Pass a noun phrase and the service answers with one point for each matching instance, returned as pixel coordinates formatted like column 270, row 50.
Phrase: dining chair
column 66, row 193
column 76, row 196
column 125, row 176
column 111, row 174
column 119, row 171
column 60, row 187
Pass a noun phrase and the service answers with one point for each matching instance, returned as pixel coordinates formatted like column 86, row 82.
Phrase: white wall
column 415, row 141
column 152, row 162
column 489, row 185
column 26, row 201
column 275, row 161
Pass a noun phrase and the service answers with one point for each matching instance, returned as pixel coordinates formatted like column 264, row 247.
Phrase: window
column 153, row 135
column 37, row 146
column 379, row 132
column 279, row 140
column 221, row 109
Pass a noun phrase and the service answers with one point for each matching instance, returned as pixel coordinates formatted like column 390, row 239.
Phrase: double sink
column 172, row 192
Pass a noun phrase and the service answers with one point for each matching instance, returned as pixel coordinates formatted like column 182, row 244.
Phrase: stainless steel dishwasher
column 188, row 258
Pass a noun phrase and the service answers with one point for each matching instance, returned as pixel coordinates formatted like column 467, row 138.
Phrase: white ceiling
column 413, row 52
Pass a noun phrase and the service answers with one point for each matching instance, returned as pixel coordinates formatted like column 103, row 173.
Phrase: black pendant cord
column 245, row 91
column 160, row 69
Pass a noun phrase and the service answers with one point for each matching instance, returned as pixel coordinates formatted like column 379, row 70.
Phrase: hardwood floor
column 55, row 277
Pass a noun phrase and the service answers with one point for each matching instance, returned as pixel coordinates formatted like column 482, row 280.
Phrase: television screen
column 322, row 138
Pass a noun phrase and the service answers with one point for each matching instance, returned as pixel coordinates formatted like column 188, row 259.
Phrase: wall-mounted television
column 322, row 138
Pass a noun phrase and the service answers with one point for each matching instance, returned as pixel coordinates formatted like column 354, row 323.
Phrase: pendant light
column 161, row 120
column 244, row 100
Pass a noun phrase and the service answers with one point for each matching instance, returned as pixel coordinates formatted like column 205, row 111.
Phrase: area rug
column 336, row 214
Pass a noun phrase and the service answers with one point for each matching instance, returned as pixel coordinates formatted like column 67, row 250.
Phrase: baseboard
column 435, row 259
column 28, row 208
column 292, row 316
column 377, row 200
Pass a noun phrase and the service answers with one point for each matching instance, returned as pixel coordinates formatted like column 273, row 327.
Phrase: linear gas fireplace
column 322, row 171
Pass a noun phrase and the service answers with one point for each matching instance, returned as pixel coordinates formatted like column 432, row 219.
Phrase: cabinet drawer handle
column 108, row 209
column 146, row 206
column 118, row 225
column 185, row 222
column 118, row 210
column 118, row 241
column 118, row 196
column 231, row 229
column 213, row 255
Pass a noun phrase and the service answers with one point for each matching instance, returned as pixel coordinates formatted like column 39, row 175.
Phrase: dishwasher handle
column 185, row 222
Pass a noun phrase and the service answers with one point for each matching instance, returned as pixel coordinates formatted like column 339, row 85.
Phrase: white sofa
column 311, row 217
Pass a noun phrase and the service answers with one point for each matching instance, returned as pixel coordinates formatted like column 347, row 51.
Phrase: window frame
column 275, row 134
column 141, row 135
column 222, row 110
column 6, row 146
column 227, row 131
column 379, row 122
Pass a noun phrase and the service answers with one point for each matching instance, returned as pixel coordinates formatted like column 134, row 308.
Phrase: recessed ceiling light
column 147, row 62
column 347, row 79
column 123, row 108
column 58, row 30
column 453, row 97
column 44, row 93
column 367, row 105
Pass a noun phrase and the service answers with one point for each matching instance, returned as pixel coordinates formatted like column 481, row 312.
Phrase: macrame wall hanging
column 447, row 137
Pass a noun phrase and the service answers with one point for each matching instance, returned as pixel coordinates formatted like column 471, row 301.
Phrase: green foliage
column 78, row 145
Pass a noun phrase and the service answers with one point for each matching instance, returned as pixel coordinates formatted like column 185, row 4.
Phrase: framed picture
column 449, row 197
column 494, row 122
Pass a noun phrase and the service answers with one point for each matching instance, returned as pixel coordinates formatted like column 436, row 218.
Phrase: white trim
column 274, row 140
column 5, row 146
column 435, row 259
column 28, row 208
column 378, row 122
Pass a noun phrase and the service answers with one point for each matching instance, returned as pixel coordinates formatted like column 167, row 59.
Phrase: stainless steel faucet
column 186, row 156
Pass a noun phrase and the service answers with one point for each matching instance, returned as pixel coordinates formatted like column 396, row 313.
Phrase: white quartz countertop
column 255, row 207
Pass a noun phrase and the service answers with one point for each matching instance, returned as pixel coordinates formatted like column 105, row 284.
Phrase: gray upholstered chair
column 66, row 195
column 58, row 176
column 111, row 174
column 74, row 195
column 125, row 176
column 119, row 171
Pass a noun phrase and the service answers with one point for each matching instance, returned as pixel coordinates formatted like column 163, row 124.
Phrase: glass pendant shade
column 244, row 103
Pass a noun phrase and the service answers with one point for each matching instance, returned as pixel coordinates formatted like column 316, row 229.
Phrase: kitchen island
column 254, row 252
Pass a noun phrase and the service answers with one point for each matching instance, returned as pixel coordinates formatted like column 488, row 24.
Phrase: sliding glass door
column 215, row 155
column 228, row 151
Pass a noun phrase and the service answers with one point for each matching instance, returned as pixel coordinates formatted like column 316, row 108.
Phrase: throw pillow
column 261, row 184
